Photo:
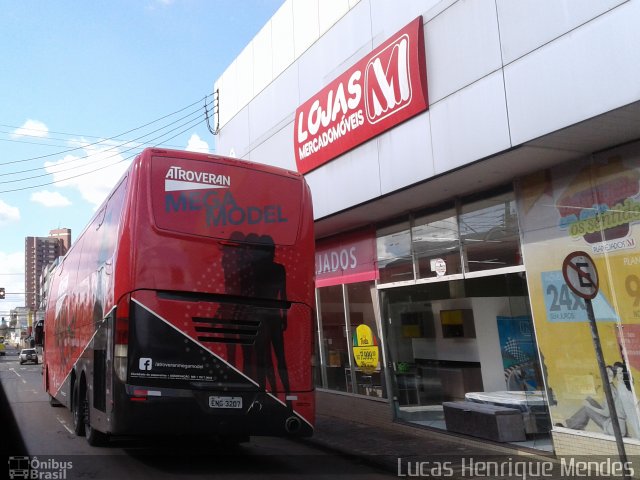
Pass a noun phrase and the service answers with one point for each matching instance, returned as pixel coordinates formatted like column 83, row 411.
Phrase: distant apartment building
column 38, row 253
column 64, row 234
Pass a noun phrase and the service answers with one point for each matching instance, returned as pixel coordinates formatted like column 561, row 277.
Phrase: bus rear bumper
column 144, row 410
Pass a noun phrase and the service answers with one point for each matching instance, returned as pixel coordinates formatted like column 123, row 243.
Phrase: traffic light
column 2, row 293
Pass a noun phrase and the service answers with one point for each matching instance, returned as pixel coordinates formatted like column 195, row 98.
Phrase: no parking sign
column 581, row 275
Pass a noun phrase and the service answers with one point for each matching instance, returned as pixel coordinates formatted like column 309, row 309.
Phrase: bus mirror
column 39, row 334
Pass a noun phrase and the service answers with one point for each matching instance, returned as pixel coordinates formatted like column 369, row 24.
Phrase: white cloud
column 196, row 144
column 8, row 213
column 93, row 173
column 31, row 128
column 50, row 199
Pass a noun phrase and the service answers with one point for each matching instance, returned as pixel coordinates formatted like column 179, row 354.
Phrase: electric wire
column 101, row 141
column 95, row 143
column 112, row 148
column 105, row 166
column 58, row 145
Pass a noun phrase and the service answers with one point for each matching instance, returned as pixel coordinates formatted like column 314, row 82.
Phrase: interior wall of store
column 501, row 79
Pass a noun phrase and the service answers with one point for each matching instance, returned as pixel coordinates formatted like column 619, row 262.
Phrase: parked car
column 28, row 355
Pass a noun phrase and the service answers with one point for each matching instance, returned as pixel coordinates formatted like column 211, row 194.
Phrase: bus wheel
column 93, row 436
column 76, row 412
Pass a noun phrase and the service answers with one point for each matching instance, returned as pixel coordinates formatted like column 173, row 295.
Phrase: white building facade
column 457, row 152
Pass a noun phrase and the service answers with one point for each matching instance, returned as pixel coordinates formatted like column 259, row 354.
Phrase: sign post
column 581, row 276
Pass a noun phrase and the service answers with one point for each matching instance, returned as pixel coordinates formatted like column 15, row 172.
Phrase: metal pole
column 607, row 389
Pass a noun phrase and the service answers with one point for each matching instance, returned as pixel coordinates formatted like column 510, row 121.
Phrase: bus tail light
column 122, row 338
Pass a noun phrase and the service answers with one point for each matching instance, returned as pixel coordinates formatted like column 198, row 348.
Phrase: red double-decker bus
column 186, row 304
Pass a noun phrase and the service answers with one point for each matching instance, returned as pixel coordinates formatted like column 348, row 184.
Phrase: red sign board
column 346, row 259
column 383, row 89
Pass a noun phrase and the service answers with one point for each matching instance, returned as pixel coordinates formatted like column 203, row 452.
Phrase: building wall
column 569, row 443
column 64, row 234
column 498, row 76
column 529, row 83
column 39, row 252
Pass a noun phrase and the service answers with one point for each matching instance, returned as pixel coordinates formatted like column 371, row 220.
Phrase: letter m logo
column 387, row 81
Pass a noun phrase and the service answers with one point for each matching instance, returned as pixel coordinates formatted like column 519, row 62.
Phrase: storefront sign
column 346, row 259
column 383, row 89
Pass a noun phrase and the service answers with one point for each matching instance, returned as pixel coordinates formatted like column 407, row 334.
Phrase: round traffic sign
column 581, row 275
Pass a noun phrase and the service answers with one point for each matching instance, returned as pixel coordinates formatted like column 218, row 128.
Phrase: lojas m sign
column 383, row 89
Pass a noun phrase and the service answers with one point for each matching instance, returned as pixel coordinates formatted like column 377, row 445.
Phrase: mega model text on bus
column 186, row 304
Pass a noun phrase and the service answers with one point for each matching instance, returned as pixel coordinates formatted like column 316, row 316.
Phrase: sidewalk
column 399, row 447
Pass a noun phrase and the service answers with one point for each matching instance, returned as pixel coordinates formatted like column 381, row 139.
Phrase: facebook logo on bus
column 145, row 364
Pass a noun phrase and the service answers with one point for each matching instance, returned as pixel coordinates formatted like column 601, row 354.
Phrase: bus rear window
column 214, row 199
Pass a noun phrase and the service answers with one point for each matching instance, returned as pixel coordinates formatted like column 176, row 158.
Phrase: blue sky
column 77, row 74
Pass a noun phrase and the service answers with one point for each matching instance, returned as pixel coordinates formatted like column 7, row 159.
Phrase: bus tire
column 76, row 411
column 94, row 437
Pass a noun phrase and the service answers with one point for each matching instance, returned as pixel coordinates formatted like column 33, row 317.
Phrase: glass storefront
column 468, row 339
column 593, row 206
column 334, row 337
column 436, row 244
column 489, row 233
column 349, row 333
column 451, row 305
column 349, row 324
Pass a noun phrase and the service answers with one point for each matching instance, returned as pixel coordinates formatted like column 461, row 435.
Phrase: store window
column 475, row 236
column 489, row 233
column 436, row 245
column 334, row 336
column 348, row 323
column 459, row 327
column 368, row 364
column 589, row 205
column 395, row 259
column 463, row 340
column 354, row 359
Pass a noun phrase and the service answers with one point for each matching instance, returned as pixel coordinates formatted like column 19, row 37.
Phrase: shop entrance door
column 464, row 340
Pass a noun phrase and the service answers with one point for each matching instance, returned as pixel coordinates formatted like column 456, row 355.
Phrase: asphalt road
column 42, row 439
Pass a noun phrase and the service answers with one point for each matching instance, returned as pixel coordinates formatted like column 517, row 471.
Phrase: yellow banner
column 592, row 205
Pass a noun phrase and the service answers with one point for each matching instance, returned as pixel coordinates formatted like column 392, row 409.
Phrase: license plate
column 225, row 402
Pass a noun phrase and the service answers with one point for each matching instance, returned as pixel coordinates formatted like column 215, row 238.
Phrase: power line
column 89, row 136
column 101, row 152
column 113, row 148
column 40, row 144
column 101, row 168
